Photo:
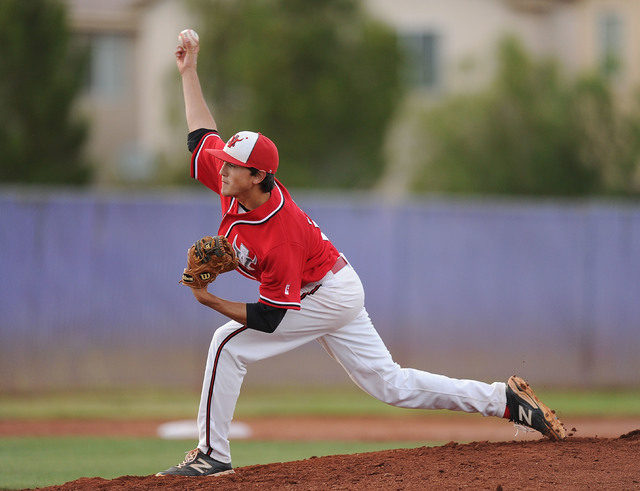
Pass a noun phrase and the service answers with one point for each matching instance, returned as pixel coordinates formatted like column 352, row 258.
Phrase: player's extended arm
column 253, row 315
column 236, row 311
column 196, row 109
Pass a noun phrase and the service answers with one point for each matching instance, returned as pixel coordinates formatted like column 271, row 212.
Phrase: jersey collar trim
column 276, row 201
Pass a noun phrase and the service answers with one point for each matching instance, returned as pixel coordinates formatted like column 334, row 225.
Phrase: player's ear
column 259, row 176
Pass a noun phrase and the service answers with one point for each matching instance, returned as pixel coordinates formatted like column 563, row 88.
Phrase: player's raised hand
column 187, row 50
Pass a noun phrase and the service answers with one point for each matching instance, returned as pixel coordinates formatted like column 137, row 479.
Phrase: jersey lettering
column 243, row 255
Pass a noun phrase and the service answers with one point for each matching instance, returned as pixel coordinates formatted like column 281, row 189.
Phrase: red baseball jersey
column 277, row 244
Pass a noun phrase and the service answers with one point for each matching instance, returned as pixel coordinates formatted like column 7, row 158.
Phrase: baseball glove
column 206, row 259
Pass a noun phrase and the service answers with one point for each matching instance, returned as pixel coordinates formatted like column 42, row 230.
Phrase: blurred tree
column 319, row 78
column 532, row 133
column 40, row 136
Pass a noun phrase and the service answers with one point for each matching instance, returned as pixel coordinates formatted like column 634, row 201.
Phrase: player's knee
column 391, row 392
column 392, row 398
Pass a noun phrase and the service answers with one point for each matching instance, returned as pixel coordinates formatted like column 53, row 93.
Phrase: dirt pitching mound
column 574, row 464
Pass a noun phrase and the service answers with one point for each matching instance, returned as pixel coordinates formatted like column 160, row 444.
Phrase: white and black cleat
column 197, row 463
column 527, row 410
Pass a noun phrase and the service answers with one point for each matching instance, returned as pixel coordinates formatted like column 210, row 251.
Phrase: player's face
column 236, row 180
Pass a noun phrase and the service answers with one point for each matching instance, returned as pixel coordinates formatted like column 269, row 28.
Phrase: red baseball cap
column 249, row 149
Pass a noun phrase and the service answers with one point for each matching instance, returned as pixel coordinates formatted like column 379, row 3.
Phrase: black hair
column 269, row 181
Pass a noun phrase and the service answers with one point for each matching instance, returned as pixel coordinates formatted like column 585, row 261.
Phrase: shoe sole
column 554, row 426
column 230, row 471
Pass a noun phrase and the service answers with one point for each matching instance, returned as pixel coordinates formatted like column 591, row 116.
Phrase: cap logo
column 234, row 140
column 249, row 149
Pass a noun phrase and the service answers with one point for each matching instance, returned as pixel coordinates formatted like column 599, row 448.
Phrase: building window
column 610, row 43
column 108, row 74
column 422, row 57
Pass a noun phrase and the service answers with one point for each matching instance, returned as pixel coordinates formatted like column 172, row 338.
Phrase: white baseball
column 191, row 35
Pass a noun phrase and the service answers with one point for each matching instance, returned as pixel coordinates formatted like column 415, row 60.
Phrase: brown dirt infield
column 601, row 454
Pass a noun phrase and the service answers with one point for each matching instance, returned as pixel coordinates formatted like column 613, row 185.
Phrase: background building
column 134, row 100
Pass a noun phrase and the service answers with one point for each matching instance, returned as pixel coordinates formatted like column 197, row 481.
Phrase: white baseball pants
column 334, row 315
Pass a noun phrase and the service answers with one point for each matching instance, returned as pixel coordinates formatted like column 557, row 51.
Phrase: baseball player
column 308, row 291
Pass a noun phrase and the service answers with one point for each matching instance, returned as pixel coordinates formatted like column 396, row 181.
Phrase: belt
column 341, row 262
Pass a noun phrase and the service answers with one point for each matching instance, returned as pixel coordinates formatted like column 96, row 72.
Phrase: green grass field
column 29, row 462
column 37, row 462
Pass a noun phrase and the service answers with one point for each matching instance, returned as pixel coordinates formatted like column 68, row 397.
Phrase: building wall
column 567, row 30
column 593, row 13
column 162, row 128
column 109, row 102
column 135, row 126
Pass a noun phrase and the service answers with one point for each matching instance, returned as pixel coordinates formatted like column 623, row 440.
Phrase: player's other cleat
column 197, row 463
column 527, row 410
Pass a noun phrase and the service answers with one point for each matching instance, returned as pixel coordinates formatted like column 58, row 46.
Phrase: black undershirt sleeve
column 195, row 136
column 263, row 317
